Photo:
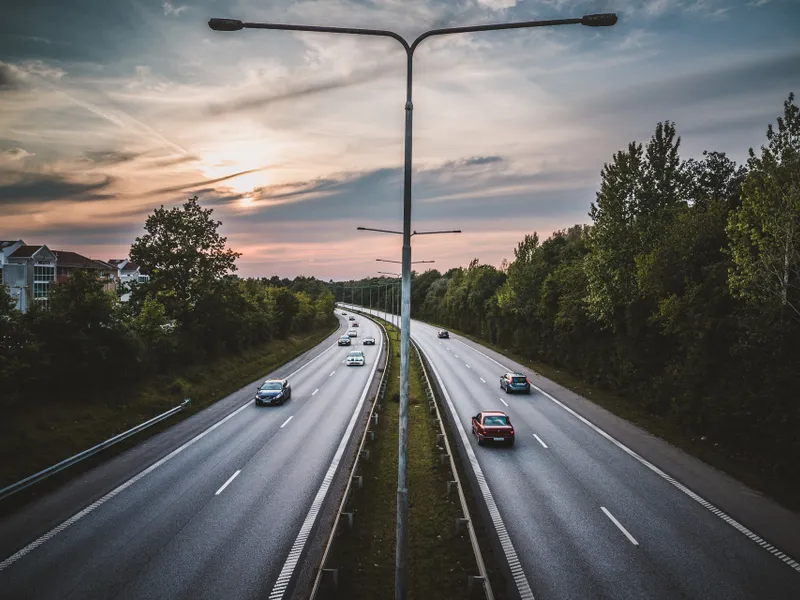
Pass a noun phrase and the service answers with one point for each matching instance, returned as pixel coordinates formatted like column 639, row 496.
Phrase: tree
column 184, row 253
column 765, row 231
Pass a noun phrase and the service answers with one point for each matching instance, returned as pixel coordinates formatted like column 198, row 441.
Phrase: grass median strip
column 440, row 559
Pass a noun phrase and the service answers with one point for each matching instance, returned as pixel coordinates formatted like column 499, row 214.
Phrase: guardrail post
column 365, row 454
column 371, row 435
column 459, row 522
column 330, row 578
column 349, row 517
column 472, row 581
column 443, row 458
column 451, row 486
column 439, row 438
column 375, row 419
column 359, row 479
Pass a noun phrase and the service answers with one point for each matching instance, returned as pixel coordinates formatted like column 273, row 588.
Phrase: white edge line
column 97, row 503
column 286, row 422
column 512, row 559
column 794, row 564
column 540, row 440
column 619, row 526
column 224, row 485
column 285, row 575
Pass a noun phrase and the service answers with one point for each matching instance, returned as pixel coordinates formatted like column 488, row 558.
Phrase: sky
column 111, row 109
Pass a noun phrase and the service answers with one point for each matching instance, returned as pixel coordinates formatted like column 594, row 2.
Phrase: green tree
column 184, row 254
column 765, row 231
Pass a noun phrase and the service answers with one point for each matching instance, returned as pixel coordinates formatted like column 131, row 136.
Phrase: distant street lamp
column 598, row 20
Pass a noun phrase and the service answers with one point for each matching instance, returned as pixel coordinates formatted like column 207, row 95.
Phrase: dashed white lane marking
column 121, row 488
column 619, row 526
column 540, row 440
column 285, row 576
column 286, row 422
column 224, row 485
column 483, row 380
column 503, row 401
column 469, row 367
column 315, row 391
column 700, row 500
column 332, row 372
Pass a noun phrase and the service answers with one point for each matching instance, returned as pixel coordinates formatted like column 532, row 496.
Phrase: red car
column 355, row 324
column 493, row 426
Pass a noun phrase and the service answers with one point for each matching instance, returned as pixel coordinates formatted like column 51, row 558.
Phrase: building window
column 143, row 278
column 43, row 275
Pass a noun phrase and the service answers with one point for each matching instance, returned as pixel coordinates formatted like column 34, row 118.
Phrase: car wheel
column 480, row 441
column 511, row 443
column 508, row 391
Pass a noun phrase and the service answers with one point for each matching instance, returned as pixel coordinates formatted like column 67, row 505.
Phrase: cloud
column 170, row 9
column 205, row 182
column 11, row 78
column 474, row 161
column 16, row 187
column 110, row 157
column 16, row 154
column 260, row 100
column 171, row 162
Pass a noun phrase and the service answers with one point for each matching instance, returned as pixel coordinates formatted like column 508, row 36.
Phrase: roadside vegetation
column 440, row 559
column 88, row 366
column 678, row 307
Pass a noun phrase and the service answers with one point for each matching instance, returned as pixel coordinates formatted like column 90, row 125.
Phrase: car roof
column 493, row 413
column 275, row 381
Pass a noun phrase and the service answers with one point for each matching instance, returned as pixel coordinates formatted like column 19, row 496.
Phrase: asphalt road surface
column 219, row 516
column 588, row 519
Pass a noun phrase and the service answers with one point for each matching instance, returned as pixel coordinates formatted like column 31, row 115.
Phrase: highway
column 222, row 514
column 588, row 518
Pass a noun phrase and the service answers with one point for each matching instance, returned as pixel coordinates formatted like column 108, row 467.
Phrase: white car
column 356, row 359
column 352, row 333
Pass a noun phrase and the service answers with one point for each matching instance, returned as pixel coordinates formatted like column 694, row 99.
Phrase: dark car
column 345, row 340
column 368, row 341
column 273, row 391
column 515, row 382
column 352, row 318
column 493, row 426
column 444, row 334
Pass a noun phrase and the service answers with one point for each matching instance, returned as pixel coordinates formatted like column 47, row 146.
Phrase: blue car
column 515, row 382
column 273, row 391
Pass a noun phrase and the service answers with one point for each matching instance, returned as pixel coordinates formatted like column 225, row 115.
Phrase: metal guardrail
column 482, row 578
column 433, row 406
column 44, row 474
column 379, row 397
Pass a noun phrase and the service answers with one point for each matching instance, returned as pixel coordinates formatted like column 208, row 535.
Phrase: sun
column 248, row 158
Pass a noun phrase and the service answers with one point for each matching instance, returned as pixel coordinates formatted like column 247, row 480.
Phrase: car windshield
column 519, row 380
column 271, row 385
column 495, row 421
column 356, row 354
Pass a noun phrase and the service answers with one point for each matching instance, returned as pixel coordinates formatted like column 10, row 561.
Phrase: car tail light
column 528, row 380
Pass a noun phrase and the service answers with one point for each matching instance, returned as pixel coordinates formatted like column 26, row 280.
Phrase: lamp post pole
column 599, row 20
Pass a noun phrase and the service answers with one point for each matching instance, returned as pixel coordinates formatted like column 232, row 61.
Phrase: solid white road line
column 517, row 572
column 224, row 485
column 286, row 422
column 540, row 440
column 315, row 391
column 503, row 401
column 98, row 503
column 619, row 525
column 282, row 583
column 699, row 499
column 483, row 380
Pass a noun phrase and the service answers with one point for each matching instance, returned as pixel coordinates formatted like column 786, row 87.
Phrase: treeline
column 683, row 295
column 192, row 310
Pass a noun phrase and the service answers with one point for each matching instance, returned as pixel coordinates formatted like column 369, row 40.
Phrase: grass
column 42, row 434
column 439, row 559
column 785, row 492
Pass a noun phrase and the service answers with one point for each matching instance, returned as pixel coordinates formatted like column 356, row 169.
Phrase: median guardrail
column 72, row 460
column 332, row 574
column 481, row 580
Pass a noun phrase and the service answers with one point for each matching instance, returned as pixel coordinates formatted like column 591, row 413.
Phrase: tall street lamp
column 598, row 20
column 398, row 262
